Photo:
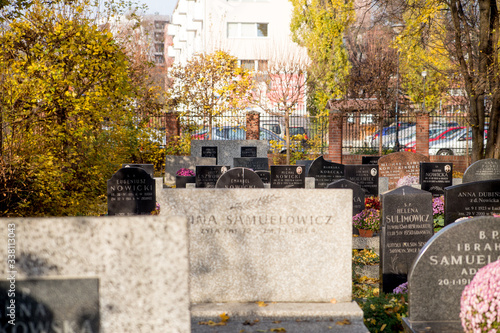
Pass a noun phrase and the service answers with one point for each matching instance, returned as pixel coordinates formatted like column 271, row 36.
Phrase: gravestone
column 397, row 165
column 325, row 172
column 254, row 163
column 365, row 176
column 358, row 195
column 248, row 151
column 148, row 167
column 287, row 176
column 131, row 191
column 471, row 199
column 486, row 169
column 406, row 225
column 52, row 305
column 306, row 163
column 229, row 149
column 434, row 177
column 209, row 151
column 264, row 175
column 239, row 178
column 370, row 159
column 207, row 175
column 174, row 163
column 444, row 266
column 103, row 266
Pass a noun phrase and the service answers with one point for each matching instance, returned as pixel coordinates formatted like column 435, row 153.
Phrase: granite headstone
column 486, row 169
column 248, row 151
column 229, row 149
column 148, row 167
column 406, row 225
column 209, row 151
column 325, row 172
column 370, row 159
column 239, row 178
column 397, row 165
column 434, row 177
column 207, row 175
column 254, row 163
column 305, row 163
column 287, row 176
column 365, row 176
column 264, row 175
column 174, row 163
column 471, row 199
column 131, row 191
column 358, row 195
column 444, row 266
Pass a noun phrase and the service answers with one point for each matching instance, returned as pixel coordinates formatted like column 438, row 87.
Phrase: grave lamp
column 397, row 28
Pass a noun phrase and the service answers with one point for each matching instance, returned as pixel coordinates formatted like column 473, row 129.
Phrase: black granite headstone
column 131, row 191
column 434, row 177
column 358, row 195
column 287, row 176
column 207, row 175
column 239, row 178
column 248, row 151
column 254, row 163
column 471, row 199
column 209, row 151
column 486, row 169
column 148, row 167
column 406, row 225
column 325, row 172
column 369, row 159
column 50, row 305
column 264, row 175
column 365, row 176
column 306, row 163
column 444, row 266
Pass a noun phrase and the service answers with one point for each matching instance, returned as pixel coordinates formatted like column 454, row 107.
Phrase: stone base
column 432, row 327
column 372, row 243
column 293, row 317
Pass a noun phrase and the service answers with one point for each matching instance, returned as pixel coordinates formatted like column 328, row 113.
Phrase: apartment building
column 254, row 31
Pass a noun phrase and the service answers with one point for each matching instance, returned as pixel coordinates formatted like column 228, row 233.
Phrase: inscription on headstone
column 131, row 191
column 287, row 176
column 397, row 165
column 254, row 163
column 325, row 172
column 471, row 199
column 207, row 175
column 434, row 177
column 209, row 151
column 443, row 268
column 264, row 175
column 482, row 170
column 406, row 225
column 365, row 176
column 370, row 159
column 248, row 151
column 50, row 305
column 239, row 178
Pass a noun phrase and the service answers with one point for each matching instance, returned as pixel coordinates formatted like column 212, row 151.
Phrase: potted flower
column 367, row 222
column 184, row 176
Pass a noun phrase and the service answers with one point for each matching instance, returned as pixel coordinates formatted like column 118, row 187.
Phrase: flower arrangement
column 438, row 212
column 401, row 289
column 407, row 180
column 184, row 172
column 372, row 202
column 368, row 219
column 480, row 301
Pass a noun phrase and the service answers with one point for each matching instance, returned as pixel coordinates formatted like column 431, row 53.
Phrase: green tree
column 67, row 100
column 319, row 26
column 210, row 85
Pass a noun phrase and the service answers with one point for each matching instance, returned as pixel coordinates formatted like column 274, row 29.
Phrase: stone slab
column 372, row 243
column 293, row 317
column 444, row 266
column 263, row 245
column 434, row 177
column 229, row 149
column 174, row 163
column 141, row 263
column 397, row 165
column 486, row 169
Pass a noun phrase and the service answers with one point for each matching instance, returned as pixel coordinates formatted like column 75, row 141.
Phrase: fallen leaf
column 262, row 304
column 277, row 322
column 279, row 329
column 224, row 317
column 333, row 301
column 344, row 322
column 382, row 328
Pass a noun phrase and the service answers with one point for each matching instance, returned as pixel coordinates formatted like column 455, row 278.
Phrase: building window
column 159, row 59
column 248, row 64
column 247, row 30
column 254, row 65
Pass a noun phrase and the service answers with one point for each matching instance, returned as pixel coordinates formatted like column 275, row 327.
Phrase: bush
column 384, row 313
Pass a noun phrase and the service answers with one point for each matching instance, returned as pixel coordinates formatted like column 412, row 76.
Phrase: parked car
column 389, row 140
column 372, row 140
column 456, row 145
column 435, row 133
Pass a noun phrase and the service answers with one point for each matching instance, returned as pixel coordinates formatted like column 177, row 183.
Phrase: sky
column 163, row 7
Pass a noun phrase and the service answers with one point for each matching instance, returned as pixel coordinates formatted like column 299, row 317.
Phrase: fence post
column 253, row 125
column 422, row 139
column 335, row 136
column 172, row 126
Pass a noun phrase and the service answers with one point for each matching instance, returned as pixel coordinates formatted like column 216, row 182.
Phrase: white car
column 456, row 145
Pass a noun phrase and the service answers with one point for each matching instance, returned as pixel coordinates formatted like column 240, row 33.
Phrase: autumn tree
column 320, row 26
column 209, row 85
column 67, row 101
column 281, row 89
